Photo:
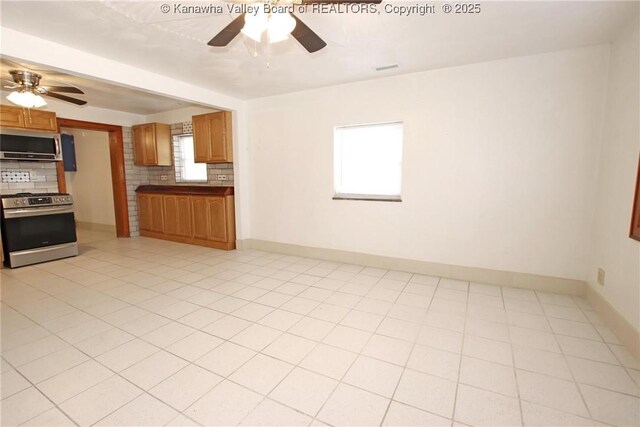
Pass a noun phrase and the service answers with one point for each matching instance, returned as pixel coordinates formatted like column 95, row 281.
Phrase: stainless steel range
column 37, row 228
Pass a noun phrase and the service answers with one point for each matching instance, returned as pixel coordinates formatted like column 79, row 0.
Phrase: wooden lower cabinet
column 157, row 213
column 177, row 215
column 201, row 220
column 144, row 212
column 217, row 227
column 199, row 217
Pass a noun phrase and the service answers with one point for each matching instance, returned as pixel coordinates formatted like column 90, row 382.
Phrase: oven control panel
column 40, row 200
column 16, row 201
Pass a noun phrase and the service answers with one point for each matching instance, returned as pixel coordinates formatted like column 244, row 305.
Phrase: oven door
column 32, row 228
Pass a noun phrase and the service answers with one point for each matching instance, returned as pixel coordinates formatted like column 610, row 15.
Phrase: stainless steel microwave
column 22, row 146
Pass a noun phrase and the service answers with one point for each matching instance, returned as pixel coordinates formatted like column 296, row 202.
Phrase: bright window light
column 368, row 161
column 189, row 170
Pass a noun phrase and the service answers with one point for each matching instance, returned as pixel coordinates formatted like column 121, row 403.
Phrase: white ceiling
column 139, row 34
column 96, row 93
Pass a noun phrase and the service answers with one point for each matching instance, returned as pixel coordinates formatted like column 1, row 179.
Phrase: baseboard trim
column 95, row 227
column 227, row 246
column 624, row 330
column 481, row 275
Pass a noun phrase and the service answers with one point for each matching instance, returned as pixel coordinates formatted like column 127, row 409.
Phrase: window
column 368, row 161
column 186, row 169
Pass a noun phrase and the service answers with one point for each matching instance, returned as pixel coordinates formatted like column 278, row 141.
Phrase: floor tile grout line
column 608, row 344
column 404, row 369
column 392, row 337
column 334, row 326
column 455, row 398
column 358, row 354
column 514, row 370
column 55, row 405
column 254, row 322
column 575, row 383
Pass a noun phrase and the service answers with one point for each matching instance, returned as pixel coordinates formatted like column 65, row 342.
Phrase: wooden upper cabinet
column 152, row 145
column 23, row 118
column 11, row 117
column 41, row 120
column 138, row 145
column 212, row 138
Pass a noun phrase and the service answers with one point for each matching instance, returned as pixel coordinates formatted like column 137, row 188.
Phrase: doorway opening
column 94, row 170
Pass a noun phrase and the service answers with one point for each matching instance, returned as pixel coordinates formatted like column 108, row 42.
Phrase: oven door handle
column 22, row 213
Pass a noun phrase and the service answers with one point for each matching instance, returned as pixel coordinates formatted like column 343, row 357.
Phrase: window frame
column 362, row 196
column 181, row 167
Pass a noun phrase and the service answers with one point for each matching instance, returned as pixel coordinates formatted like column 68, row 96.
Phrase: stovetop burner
column 13, row 196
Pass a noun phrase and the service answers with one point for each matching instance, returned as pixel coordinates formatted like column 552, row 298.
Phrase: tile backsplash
column 172, row 173
column 28, row 177
column 144, row 175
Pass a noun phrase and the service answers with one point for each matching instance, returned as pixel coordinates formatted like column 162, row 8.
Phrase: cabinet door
column 218, row 145
column 138, row 145
column 163, row 143
column 157, row 213
column 199, row 221
column 11, row 117
column 217, row 217
column 183, row 227
column 40, row 120
column 144, row 212
column 150, row 153
column 201, row 138
column 170, row 214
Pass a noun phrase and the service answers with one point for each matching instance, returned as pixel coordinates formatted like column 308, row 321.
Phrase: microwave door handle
column 57, row 140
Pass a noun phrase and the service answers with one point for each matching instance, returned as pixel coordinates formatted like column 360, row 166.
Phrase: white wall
column 499, row 164
column 88, row 113
column 177, row 116
column 91, row 185
column 612, row 249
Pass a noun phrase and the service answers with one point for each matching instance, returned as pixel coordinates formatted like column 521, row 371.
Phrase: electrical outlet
column 163, row 177
column 222, row 177
column 601, row 277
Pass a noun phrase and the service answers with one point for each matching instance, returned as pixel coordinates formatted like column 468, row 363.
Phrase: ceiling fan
column 284, row 24
column 27, row 90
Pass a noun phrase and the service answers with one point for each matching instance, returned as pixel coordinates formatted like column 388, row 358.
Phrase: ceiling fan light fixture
column 277, row 25
column 255, row 25
column 26, row 99
column 280, row 27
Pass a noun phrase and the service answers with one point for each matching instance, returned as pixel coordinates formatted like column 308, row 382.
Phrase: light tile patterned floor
column 145, row 332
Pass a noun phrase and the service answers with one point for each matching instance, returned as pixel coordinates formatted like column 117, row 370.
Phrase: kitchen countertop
column 186, row 189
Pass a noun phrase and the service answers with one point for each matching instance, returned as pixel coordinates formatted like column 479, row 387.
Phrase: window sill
column 367, row 198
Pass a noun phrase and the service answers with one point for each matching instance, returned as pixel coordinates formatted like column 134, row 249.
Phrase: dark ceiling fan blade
column 65, row 98
column 339, row 1
column 63, row 89
column 306, row 37
column 229, row 33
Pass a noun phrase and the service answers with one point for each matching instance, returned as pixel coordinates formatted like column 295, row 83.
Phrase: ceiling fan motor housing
column 25, row 78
